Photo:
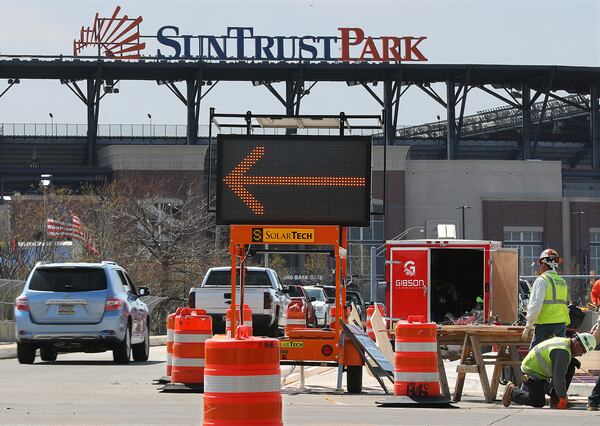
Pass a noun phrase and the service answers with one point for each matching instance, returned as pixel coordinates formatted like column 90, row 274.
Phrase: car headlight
column 320, row 309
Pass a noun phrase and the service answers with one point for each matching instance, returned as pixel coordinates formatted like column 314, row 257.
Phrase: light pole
column 579, row 249
column 51, row 123
column 463, row 208
column 150, row 117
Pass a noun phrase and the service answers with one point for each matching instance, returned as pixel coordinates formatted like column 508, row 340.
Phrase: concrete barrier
column 7, row 331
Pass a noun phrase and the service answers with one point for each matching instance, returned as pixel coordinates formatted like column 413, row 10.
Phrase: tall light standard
column 51, row 123
column 580, row 259
column 150, row 117
column 463, row 208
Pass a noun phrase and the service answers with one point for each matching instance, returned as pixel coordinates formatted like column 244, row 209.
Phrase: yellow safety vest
column 538, row 362
column 554, row 309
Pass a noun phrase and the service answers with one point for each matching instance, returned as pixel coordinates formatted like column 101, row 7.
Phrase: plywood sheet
column 504, row 286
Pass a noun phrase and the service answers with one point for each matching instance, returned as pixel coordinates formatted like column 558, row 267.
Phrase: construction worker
column 595, row 295
column 549, row 363
column 594, row 398
column 547, row 311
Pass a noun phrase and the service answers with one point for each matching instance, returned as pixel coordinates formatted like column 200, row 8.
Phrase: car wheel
column 25, row 353
column 122, row 352
column 141, row 351
column 48, row 355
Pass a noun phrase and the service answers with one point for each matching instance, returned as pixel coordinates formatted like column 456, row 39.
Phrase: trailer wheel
column 354, row 375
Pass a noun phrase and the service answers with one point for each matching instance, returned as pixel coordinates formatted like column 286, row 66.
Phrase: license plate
column 66, row 310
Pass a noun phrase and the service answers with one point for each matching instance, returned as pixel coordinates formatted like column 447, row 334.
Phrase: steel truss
column 528, row 91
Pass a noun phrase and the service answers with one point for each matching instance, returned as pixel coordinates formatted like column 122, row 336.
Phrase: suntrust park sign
column 118, row 37
column 243, row 43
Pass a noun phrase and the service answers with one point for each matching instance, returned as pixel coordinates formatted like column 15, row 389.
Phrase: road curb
column 10, row 350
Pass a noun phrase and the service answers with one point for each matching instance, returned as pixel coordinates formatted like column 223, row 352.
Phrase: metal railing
column 157, row 131
column 500, row 118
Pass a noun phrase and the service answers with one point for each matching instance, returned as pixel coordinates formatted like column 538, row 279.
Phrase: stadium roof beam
column 595, row 126
column 542, row 114
column 463, row 100
column 191, row 100
column 11, row 83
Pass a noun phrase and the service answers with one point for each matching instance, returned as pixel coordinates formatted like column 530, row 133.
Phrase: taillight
column 113, row 304
column 192, row 299
column 268, row 300
column 22, row 303
column 327, row 350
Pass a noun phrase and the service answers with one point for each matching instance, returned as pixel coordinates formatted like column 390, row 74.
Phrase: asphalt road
column 90, row 389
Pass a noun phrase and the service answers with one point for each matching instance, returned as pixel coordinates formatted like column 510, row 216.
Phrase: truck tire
column 25, row 353
column 48, row 354
column 354, row 378
column 274, row 329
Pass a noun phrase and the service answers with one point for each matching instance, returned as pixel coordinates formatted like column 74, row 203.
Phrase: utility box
column 440, row 279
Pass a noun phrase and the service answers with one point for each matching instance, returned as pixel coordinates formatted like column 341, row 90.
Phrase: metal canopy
column 571, row 79
column 535, row 114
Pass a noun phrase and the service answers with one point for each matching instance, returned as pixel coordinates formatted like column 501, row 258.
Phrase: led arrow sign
column 293, row 180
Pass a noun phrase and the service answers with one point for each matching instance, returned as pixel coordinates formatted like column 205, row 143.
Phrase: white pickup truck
column 263, row 293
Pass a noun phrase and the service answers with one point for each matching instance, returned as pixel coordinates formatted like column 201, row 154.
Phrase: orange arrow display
column 238, row 180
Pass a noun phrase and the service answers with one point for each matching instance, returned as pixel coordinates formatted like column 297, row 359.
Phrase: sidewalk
column 325, row 380
column 9, row 350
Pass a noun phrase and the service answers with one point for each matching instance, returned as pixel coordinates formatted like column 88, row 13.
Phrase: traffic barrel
column 416, row 371
column 295, row 316
column 192, row 329
column 170, row 333
column 370, row 310
column 242, row 381
column 247, row 319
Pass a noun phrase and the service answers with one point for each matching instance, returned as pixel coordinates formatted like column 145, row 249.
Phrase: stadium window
column 528, row 240
column 595, row 250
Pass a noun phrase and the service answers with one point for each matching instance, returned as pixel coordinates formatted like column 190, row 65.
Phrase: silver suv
column 81, row 307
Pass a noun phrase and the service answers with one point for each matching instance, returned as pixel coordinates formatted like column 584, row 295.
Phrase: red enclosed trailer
column 443, row 279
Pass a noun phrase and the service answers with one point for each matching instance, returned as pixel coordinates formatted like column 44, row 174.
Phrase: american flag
column 74, row 230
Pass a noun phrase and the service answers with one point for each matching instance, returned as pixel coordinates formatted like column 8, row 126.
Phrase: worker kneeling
column 548, row 369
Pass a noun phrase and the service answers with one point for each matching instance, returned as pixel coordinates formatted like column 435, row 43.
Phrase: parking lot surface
column 91, row 389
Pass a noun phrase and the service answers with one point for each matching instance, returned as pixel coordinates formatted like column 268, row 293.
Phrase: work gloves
column 527, row 333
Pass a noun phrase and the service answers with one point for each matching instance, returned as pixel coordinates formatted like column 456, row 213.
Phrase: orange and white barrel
column 170, row 334
column 332, row 316
column 370, row 311
column 247, row 319
column 242, row 381
column 416, row 359
column 192, row 329
column 295, row 316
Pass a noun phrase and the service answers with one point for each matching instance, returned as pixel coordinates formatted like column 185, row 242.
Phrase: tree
column 161, row 234
column 279, row 265
column 317, row 265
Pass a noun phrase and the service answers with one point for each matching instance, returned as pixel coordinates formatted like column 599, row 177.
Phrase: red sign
column 118, row 36
column 408, row 292
column 379, row 49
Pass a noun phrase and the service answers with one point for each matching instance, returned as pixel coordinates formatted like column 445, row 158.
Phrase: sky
column 533, row 32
